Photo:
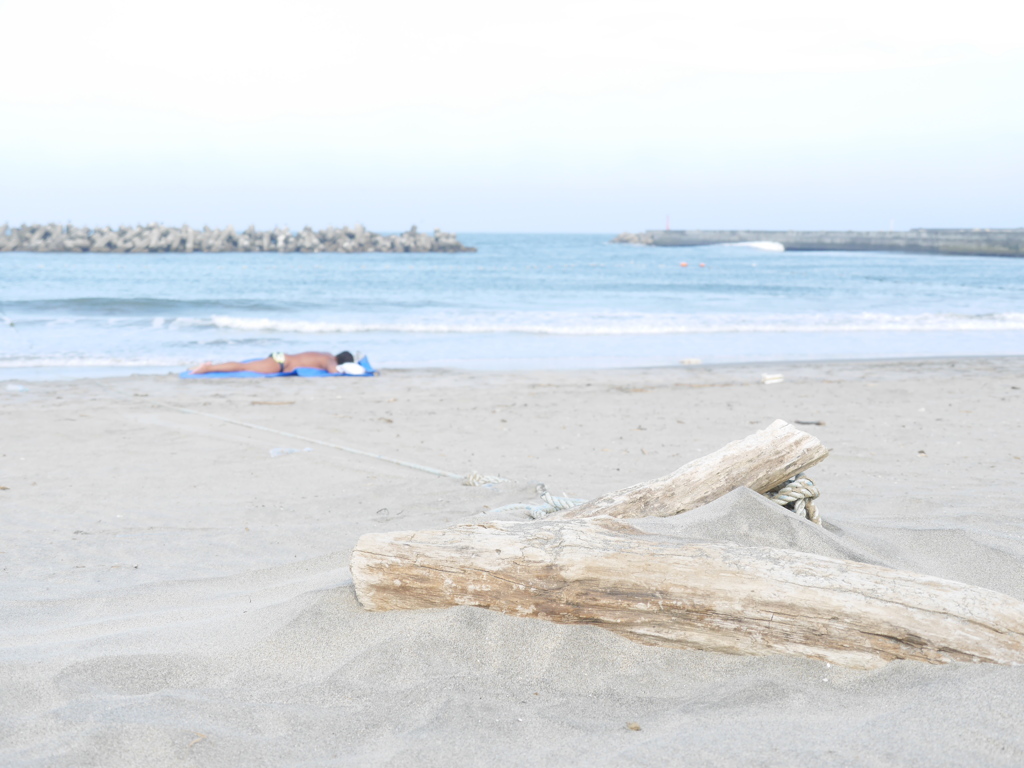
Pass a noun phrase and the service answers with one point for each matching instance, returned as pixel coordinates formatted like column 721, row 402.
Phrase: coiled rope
column 797, row 495
column 537, row 511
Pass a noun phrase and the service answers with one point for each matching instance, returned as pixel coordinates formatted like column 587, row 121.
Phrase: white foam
column 73, row 361
column 761, row 245
column 608, row 324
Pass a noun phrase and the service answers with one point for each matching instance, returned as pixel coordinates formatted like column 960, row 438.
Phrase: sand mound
column 747, row 518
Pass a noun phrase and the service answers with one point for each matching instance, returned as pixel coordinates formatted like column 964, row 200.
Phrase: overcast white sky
column 528, row 116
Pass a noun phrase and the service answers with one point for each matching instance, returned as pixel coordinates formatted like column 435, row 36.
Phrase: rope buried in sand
column 472, row 479
column 797, row 494
column 475, row 478
column 537, row 511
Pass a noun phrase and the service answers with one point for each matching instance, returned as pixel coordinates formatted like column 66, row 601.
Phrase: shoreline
column 446, row 370
column 517, row 304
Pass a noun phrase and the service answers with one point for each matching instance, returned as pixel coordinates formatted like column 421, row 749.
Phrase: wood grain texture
column 760, row 462
column 662, row 590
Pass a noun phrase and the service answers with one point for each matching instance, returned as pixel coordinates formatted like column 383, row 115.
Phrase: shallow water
column 521, row 301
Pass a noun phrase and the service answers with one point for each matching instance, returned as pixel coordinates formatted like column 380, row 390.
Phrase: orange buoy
column 702, row 264
column 683, row 264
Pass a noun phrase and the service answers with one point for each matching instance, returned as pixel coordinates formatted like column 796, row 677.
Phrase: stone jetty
column 969, row 242
column 157, row 238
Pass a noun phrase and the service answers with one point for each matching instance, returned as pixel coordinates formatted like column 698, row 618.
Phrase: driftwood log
column 760, row 462
column 662, row 590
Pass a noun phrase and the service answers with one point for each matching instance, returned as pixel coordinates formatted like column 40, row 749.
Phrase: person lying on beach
column 280, row 362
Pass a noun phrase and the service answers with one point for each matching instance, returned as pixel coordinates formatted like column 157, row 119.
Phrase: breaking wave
column 75, row 361
column 608, row 324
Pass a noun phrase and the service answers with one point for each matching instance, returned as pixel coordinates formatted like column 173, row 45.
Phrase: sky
column 553, row 116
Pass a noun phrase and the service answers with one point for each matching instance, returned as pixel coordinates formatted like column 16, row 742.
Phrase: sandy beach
column 174, row 588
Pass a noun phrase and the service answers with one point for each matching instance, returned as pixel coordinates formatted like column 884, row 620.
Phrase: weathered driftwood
column 760, row 462
column 662, row 590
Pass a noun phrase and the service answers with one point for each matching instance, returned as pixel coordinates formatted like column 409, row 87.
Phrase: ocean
column 520, row 302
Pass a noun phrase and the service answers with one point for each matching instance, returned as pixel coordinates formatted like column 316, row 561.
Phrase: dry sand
column 172, row 594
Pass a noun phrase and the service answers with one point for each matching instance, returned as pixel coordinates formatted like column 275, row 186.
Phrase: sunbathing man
column 279, row 362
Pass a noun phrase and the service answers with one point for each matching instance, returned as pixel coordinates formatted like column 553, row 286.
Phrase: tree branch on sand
column 588, row 565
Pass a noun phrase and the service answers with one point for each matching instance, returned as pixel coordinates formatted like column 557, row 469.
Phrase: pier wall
column 974, row 242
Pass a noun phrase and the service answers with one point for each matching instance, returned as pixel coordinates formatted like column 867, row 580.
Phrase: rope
column 471, row 479
column 537, row 511
column 797, row 494
column 475, row 478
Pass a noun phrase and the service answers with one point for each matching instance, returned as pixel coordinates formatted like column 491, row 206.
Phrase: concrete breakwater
column 156, row 238
column 969, row 242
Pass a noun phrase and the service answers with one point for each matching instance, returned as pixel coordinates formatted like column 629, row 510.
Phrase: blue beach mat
column 311, row 373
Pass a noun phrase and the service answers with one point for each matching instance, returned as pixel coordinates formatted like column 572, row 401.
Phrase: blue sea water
column 520, row 302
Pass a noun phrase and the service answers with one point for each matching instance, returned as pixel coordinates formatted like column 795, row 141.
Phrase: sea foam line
column 71, row 361
column 625, row 324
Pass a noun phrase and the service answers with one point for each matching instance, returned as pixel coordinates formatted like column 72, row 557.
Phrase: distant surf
column 73, row 361
column 616, row 324
column 761, row 245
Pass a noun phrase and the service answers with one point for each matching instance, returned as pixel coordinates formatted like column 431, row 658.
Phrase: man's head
column 344, row 357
